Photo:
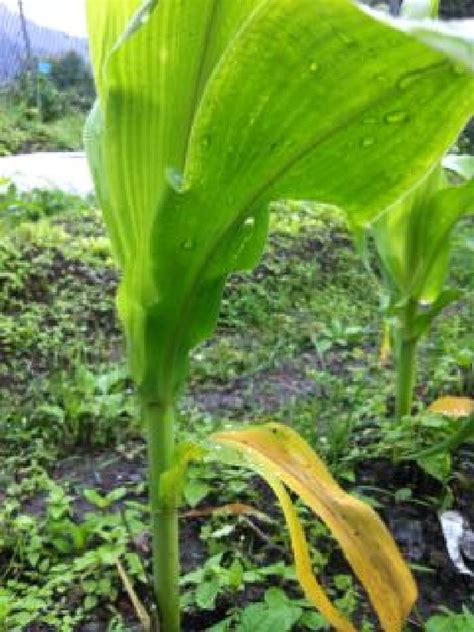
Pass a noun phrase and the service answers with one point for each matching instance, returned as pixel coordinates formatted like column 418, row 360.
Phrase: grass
column 297, row 341
column 22, row 131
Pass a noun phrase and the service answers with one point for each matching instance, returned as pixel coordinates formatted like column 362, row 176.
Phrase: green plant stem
column 160, row 424
column 406, row 346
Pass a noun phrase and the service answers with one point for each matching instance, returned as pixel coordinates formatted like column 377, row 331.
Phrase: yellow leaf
column 453, row 406
column 280, row 453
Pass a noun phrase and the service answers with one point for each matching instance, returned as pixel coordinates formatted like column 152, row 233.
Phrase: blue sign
column 44, row 68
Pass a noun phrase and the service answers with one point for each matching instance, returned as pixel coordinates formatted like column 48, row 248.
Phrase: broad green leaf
column 208, row 110
column 279, row 454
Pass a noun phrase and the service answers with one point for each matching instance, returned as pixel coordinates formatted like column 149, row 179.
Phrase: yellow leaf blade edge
column 313, row 591
column 277, row 451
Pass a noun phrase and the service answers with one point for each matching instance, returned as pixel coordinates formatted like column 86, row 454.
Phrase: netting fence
column 25, row 45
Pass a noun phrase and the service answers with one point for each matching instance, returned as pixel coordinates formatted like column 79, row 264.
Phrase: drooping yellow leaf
column 280, row 453
column 453, row 406
column 312, row 589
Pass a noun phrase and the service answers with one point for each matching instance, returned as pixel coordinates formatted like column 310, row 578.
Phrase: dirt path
column 67, row 171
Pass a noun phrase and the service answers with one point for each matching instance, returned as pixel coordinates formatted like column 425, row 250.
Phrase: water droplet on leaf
column 249, row 223
column 398, row 116
column 175, row 179
column 367, row 142
column 188, row 245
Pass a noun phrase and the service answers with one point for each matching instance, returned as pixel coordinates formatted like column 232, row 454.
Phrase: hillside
column 45, row 43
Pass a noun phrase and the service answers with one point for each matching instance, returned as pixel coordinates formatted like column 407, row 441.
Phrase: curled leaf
column 280, row 454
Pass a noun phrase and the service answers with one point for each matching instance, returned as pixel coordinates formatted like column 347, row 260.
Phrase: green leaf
column 448, row 206
column 437, row 465
column 413, row 239
column 206, row 594
column 451, row 623
column 173, row 481
column 195, row 491
column 236, row 575
column 94, row 498
column 270, row 616
column 209, row 110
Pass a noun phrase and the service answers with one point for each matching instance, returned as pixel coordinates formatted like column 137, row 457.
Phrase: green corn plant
column 207, row 111
column 412, row 243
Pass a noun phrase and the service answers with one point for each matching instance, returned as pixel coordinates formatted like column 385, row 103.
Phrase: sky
column 63, row 15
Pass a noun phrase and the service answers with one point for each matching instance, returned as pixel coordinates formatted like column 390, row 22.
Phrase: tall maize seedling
column 413, row 244
column 207, row 110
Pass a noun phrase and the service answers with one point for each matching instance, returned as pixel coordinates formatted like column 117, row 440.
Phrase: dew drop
column 175, row 179
column 314, row 67
column 249, row 223
column 398, row 116
column 367, row 142
column 188, row 245
column 242, row 238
